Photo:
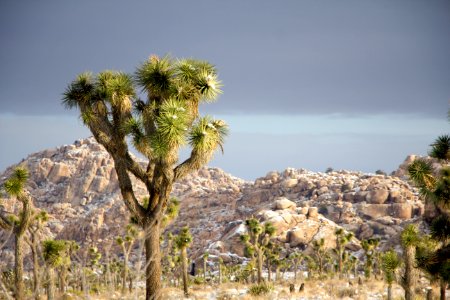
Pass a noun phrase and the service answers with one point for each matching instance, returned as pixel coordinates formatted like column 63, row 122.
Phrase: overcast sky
column 313, row 84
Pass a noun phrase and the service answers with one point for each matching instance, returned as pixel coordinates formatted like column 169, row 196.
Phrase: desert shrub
column 260, row 289
column 198, row 280
column 346, row 292
column 329, row 170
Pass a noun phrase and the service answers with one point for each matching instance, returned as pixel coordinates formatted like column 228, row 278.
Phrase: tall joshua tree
column 158, row 126
column 182, row 241
column 435, row 188
column 18, row 223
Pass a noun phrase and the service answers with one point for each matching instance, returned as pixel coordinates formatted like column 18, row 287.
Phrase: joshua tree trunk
column 20, row 286
column 204, row 269
column 36, row 269
column 269, row 275
column 184, row 267
column 260, row 264
column 152, row 259
column 51, row 284
column 443, row 287
column 125, row 271
column 410, row 273
column 389, row 294
column 62, row 279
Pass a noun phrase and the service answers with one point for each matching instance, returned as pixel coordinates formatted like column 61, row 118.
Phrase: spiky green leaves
column 156, row 75
column 390, row 263
column 410, row 236
column 79, row 92
column 16, row 182
column 56, row 252
column 421, row 173
column 172, row 126
column 441, row 148
column 184, row 238
column 208, row 134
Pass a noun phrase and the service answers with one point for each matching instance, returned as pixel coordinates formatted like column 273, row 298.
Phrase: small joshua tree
column 18, row 223
column 256, row 240
column 342, row 239
column 319, row 253
column 126, row 243
column 182, row 241
column 205, row 261
column 38, row 219
column 55, row 255
column 389, row 264
column 296, row 258
column 369, row 247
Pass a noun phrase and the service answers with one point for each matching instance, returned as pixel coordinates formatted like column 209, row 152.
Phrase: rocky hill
column 78, row 186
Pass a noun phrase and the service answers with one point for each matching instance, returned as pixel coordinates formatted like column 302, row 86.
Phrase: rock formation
column 78, row 186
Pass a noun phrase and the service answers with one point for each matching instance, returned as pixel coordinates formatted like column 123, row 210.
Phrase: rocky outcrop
column 77, row 185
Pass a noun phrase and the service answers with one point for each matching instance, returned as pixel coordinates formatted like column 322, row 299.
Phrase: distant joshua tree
column 126, row 243
column 182, row 241
column 342, row 239
column 38, row 219
column 18, row 223
column 256, row 240
column 389, row 265
column 369, row 247
column 158, row 127
column 56, row 254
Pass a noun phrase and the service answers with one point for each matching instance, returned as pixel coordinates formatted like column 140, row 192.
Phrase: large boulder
column 284, row 203
column 377, row 196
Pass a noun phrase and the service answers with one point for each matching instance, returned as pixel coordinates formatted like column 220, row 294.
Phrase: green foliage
column 56, row 252
column 421, row 173
column 441, row 148
column 184, row 238
column 260, row 289
column 15, row 184
column 410, row 236
column 390, row 263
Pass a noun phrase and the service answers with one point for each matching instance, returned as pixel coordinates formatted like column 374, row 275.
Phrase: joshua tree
column 126, row 243
column 435, row 189
column 390, row 263
column 369, row 247
column 205, row 260
column 342, row 239
column 158, row 127
column 319, row 253
column 409, row 241
column 18, row 223
column 55, row 255
column 296, row 258
column 38, row 219
column 256, row 240
column 182, row 241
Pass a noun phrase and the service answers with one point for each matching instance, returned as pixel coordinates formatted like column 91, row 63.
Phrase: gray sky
column 347, row 84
